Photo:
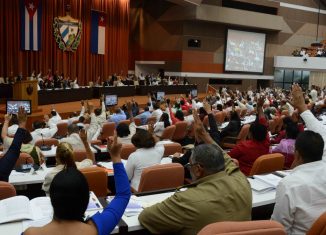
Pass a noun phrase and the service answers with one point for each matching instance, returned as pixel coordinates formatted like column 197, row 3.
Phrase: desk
column 64, row 95
column 134, row 225
column 19, row 178
column 52, row 152
column 121, row 91
column 172, row 89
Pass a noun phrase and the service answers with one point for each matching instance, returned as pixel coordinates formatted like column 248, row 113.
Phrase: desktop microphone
column 44, row 147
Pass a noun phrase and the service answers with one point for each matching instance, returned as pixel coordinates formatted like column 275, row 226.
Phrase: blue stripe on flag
column 31, row 33
column 39, row 25
column 22, row 25
column 94, row 32
column 65, row 32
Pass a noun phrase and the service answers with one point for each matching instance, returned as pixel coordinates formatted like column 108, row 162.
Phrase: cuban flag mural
column 98, row 25
column 30, row 24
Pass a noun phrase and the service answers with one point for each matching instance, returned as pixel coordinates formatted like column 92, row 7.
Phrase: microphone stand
column 44, row 147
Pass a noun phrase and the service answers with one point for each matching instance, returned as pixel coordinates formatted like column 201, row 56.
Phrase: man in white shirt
column 54, row 120
column 314, row 94
column 301, row 196
column 74, row 138
column 40, row 131
column 98, row 118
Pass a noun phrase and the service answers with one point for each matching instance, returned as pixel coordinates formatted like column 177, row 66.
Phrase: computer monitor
column 111, row 100
column 12, row 106
column 194, row 93
column 160, row 95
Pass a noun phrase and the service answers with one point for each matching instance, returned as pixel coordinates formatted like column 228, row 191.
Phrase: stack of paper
column 264, row 183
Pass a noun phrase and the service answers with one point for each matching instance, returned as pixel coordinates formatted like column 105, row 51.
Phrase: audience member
column 41, row 132
column 73, row 138
column 69, row 195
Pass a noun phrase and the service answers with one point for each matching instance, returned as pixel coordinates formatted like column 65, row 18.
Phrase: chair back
column 161, row 177
column 180, row 131
column 266, row 227
column 272, row 125
column 168, row 133
column 172, row 148
column 268, row 163
column 97, row 180
column 24, row 158
column 79, row 156
column 47, row 142
column 107, row 130
column 6, row 190
column 319, row 226
column 125, row 121
column 126, row 150
column 62, row 129
column 151, row 120
column 137, row 121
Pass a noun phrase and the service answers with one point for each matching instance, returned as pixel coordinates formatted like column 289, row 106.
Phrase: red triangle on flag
column 31, row 6
column 102, row 19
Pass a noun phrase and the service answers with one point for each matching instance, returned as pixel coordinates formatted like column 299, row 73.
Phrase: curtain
column 317, row 79
column 81, row 63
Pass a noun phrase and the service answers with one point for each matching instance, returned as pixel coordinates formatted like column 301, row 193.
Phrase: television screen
column 160, row 95
column 111, row 100
column 194, row 93
column 12, row 106
column 245, row 51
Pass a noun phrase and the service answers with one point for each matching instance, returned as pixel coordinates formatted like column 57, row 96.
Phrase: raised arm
column 111, row 215
column 83, row 136
column 4, row 132
column 8, row 161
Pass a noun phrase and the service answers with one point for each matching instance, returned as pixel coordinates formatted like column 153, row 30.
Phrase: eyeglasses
column 189, row 165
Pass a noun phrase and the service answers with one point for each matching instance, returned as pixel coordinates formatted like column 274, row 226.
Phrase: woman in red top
column 246, row 152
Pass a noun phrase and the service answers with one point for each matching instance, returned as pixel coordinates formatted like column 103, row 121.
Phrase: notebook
column 264, row 183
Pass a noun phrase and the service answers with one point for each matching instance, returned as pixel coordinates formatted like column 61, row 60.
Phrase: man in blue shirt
column 144, row 116
column 118, row 116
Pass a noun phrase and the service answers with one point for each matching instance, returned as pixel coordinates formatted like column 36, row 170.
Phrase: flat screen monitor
column 194, row 93
column 160, row 95
column 111, row 100
column 245, row 52
column 12, row 106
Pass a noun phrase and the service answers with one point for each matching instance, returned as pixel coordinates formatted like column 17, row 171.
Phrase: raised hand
column 114, row 148
column 83, row 135
column 207, row 107
column 8, row 117
column 22, row 117
column 298, row 100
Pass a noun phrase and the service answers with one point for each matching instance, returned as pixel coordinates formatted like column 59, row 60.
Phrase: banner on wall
column 98, row 26
column 67, row 32
column 30, row 24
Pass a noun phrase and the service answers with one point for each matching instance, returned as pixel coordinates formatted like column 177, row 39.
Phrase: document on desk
column 109, row 165
column 21, row 208
column 264, row 183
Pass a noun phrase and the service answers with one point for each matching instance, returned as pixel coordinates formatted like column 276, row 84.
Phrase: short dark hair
column 179, row 115
column 14, row 120
column 73, row 128
column 143, row 139
column 53, row 113
column 310, row 146
column 69, row 195
column 258, row 131
column 81, row 119
column 292, row 131
column 98, row 111
column 123, row 130
column 146, row 109
column 27, row 137
column 38, row 125
column 209, row 156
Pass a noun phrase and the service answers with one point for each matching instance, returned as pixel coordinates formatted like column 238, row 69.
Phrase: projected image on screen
column 13, row 106
column 245, row 51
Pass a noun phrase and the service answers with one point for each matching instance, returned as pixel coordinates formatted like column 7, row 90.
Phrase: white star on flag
column 31, row 6
column 102, row 18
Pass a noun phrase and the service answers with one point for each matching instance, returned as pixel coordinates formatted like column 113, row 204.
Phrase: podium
column 27, row 90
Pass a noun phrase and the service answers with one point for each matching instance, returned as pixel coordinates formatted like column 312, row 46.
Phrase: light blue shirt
column 117, row 117
column 144, row 116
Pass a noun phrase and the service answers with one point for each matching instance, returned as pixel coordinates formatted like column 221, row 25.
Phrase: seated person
column 286, row 146
column 148, row 153
column 13, row 125
column 300, row 196
column 118, row 116
column 246, row 152
column 69, row 195
column 234, row 126
column 161, row 124
column 26, row 147
column 177, row 117
column 220, row 193
column 8, row 161
column 144, row 115
column 124, row 131
column 40, row 131
column 65, row 158
column 73, row 138
column 53, row 120
column 98, row 118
